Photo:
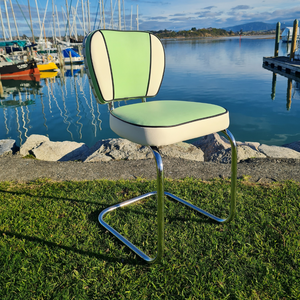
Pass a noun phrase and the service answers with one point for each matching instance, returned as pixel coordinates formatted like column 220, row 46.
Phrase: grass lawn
column 52, row 246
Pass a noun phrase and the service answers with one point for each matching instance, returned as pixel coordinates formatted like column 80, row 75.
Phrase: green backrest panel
column 123, row 64
column 129, row 54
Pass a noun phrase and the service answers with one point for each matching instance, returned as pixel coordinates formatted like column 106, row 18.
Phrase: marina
column 226, row 71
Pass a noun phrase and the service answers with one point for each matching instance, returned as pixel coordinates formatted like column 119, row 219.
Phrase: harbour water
column 226, row 71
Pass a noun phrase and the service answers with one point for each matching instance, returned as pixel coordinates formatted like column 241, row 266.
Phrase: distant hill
column 254, row 26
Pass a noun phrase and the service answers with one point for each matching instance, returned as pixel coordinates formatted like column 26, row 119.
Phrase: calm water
column 227, row 72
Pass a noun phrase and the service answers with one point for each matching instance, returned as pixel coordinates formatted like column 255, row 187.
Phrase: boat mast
column 58, row 22
column 103, row 14
column 13, row 13
column 112, row 15
column 124, row 15
column 100, row 15
column 41, row 33
column 131, row 19
column 8, row 20
column 89, row 18
column 53, row 15
column 3, row 30
column 86, row 15
column 38, row 14
column 74, row 12
column 119, row 7
column 68, row 16
column 83, row 19
column 30, row 22
column 137, row 17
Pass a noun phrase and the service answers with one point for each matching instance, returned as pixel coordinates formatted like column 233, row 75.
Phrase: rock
column 213, row 148
column 253, row 145
column 61, row 151
column 222, row 156
column 117, row 149
column 211, row 144
column 8, row 147
column 32, row 142
column 244, row 152
column 278, row 152
column 183, row 150
column 295, row 146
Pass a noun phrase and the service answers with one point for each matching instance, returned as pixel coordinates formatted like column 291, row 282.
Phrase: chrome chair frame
column 160, row 203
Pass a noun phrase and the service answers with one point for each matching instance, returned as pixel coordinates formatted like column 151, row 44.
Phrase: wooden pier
column 283, row 66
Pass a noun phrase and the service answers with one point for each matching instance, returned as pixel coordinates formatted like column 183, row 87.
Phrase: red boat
column 11, row 70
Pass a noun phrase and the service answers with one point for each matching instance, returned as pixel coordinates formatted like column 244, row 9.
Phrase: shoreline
column 258, row 36
column 105, row 161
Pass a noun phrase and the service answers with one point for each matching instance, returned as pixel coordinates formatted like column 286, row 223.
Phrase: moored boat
column 10, row 69
column 72, row 57
column 48, row 66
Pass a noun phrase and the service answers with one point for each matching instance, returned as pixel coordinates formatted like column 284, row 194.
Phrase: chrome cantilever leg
column 233, row 186
column 160, row 214
column 160, row 203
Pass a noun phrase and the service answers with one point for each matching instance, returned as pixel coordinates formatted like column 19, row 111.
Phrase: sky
column 152, row 14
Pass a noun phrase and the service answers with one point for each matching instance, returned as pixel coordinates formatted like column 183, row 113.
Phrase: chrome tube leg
column 160, row 214
column 160, row 204
column 233, row 175
column 233, row 186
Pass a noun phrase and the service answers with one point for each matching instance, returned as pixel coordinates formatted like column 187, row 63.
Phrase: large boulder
column 117, row 149
column 278, row 152
column 295, row 146
column 182, row 150
column 243, row 152
column 211, row 144
column 61, row 151
column 32, row 142
column 8, row 147
column 247, row 150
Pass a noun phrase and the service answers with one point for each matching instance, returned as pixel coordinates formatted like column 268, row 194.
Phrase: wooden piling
column 294, row 40
column 277, row 39
column 70, row 55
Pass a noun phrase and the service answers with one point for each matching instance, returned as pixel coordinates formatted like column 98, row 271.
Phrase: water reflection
column 293, row 85
column 11, row 91
column 57, row 104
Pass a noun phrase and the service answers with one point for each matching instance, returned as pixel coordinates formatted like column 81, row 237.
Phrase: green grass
column 52, row 246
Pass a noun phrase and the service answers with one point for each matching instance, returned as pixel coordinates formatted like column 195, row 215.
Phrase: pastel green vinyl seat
column 125, row 65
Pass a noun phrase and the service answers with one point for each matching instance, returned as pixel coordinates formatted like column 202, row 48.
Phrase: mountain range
column 255, row 26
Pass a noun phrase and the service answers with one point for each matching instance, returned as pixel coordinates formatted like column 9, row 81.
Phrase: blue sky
column 152, row 14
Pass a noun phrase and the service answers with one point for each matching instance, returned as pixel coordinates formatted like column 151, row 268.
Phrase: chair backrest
column 123, row 64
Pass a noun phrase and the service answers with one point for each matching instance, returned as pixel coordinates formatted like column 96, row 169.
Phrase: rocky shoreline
column 211, row 148
column 115, row 159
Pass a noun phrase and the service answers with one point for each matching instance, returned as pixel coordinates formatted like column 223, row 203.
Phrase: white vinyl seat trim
column 164, row 135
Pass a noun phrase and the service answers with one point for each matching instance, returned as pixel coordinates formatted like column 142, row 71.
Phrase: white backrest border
column 157, row 66
column 101, row 65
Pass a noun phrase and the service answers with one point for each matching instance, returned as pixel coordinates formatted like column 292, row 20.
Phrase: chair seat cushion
column 159, row 123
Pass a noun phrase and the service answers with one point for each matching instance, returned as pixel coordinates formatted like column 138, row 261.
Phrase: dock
column 283, row 66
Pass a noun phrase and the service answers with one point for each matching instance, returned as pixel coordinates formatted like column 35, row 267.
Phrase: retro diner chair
column 123, row 65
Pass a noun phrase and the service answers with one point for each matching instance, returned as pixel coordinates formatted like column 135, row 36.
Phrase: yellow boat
column 50, row 66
